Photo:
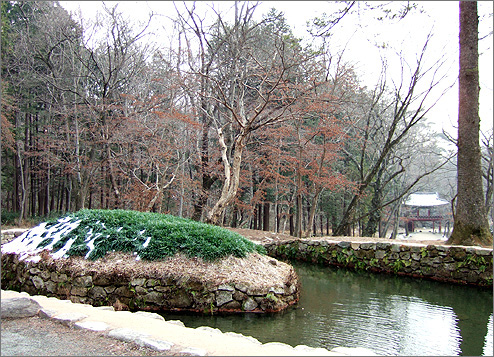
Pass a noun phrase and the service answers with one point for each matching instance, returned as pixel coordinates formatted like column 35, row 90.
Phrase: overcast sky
column 359, row 35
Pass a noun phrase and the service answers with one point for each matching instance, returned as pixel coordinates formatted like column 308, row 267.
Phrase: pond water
column 387, row 314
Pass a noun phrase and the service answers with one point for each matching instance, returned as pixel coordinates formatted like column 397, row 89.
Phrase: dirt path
column 257, row 236
column 33, row 336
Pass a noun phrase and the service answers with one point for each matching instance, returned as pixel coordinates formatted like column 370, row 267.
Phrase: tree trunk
column 312, row 212
column 470, row 225
column 265, row 223
column 232, row 176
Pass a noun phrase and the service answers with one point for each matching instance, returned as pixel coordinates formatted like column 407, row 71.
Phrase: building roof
column 425, row 199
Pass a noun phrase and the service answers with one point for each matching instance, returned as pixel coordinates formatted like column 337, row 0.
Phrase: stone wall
column 124, row 291
column 456, row 264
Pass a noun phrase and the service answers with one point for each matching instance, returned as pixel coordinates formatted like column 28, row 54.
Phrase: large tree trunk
column 312, row 212
column 470, row 224
column 232, row 176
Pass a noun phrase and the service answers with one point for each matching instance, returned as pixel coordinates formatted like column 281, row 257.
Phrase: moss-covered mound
column 149, row 236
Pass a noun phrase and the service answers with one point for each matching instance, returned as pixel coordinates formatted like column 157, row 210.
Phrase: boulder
column 19, row 307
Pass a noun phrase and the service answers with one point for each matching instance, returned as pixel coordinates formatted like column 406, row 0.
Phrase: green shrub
column 102, row 231
column 9, row 218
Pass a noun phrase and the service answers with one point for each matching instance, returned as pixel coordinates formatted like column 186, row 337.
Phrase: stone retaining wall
column 142, row 293
column 456, row 264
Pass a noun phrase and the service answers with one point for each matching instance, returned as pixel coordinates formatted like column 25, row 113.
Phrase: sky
column 359, row 34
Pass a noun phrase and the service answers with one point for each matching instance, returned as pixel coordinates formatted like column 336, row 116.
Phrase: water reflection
column 390, row 315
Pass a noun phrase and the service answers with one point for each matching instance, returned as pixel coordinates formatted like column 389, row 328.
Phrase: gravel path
column 33, row 336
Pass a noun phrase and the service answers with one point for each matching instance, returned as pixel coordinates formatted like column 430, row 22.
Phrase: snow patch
column 26, row 245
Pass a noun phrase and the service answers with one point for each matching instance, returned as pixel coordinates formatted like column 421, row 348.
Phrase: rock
column 380, row 254
column 69, row 318
column 222, row 297
column 46, row 313
column 395, row 248
column 157, row 345
column 176, row 322
column 51, row 286
column 241, row 287
column 123, row 291
column 153, row 298
column 78, row 291
column 38, row 282
column 152, row 315
column 179, row 299
column 344, row 245
column 226, row 287
column 138, row 282
column 19, row 307
column 83, row 281
column 92, row 325
column 249, row 304
column 277, row 290
column 126, row 334
column 97, row 293
column 232, row 305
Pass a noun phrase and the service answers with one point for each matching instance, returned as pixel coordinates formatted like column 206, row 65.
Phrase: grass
column 151, row 236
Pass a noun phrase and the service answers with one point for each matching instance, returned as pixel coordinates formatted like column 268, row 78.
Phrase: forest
column 234, row 121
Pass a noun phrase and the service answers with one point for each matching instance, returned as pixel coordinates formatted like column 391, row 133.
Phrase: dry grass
column 255, row 270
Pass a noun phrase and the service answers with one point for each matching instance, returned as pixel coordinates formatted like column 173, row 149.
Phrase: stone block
column 242, row 287
column 153, row 298
column 232, row 305
column 69, row 318
column 276, row 290
column 97, row 293
column 157, row 345
column 151, row 315
column 249, row 304
column 92, row 325
column 405, row 255
column 382, row 246
column 226, row 287
column 78, row 291
column 34, row 271
column 344, row 245
column 110, row 289
column 45, row 275
column 38, row 283
column 126, row 334
column 161, row 289
column 83, row 281
column 19, row 307
column 51, row 286
column 239, row 296
column 102, row 280
column 395, row 248
column 138, row 282
column 123, row 291
column 368, row 246
column 222, row 297
column 152, row 282
column 380, row 254
column 179, row 298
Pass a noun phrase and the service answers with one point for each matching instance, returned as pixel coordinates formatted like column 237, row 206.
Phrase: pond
column 387, row 314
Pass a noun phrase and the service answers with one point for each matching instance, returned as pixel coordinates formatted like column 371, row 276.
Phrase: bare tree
column 258, row 85
column 398, row 115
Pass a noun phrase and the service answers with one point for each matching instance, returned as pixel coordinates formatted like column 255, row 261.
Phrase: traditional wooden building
column 424, row 207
